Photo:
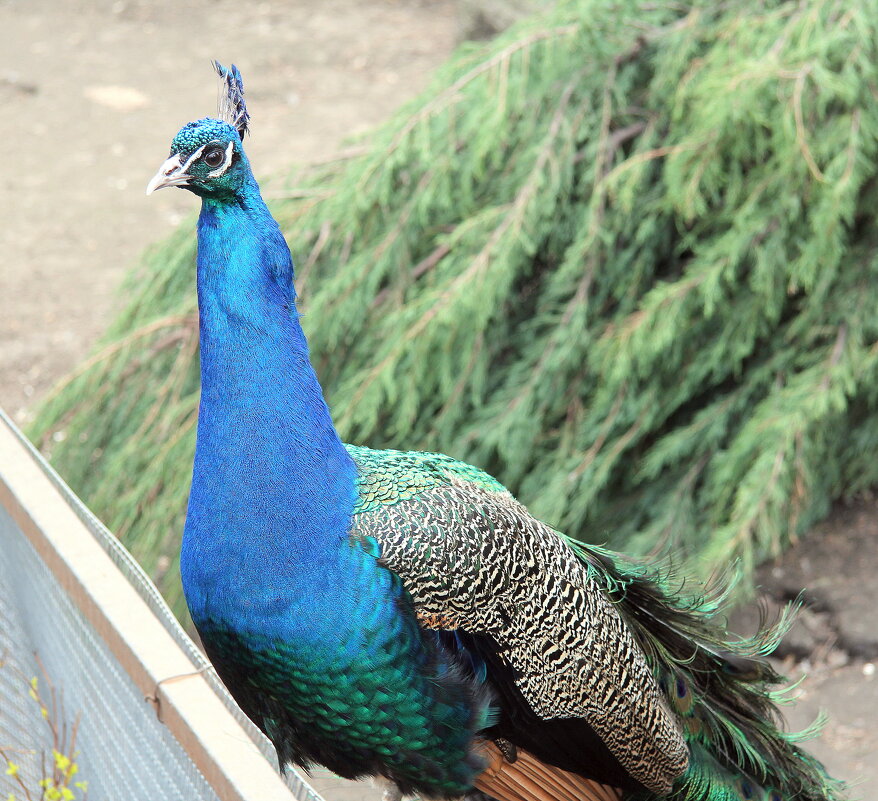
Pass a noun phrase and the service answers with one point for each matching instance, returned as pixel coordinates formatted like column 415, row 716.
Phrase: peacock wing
column 571, row 678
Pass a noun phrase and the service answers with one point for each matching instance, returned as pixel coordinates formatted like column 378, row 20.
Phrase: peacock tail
column 722, row 689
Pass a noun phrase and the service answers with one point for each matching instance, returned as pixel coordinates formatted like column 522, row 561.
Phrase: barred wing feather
column 567, row 670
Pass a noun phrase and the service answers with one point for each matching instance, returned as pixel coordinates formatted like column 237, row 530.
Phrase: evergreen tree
column 623, row 257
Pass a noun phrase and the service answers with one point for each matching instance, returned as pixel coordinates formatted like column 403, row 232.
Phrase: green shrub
column 623, row 257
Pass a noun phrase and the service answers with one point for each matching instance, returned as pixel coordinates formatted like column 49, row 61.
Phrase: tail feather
column 722, row 688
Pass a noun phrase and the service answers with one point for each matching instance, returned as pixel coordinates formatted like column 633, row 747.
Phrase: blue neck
column 273, row 487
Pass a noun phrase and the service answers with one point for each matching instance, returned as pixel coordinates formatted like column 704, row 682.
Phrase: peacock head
column 207, row 156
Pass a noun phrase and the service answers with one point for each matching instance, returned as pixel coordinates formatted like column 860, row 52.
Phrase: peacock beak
column 171, row 173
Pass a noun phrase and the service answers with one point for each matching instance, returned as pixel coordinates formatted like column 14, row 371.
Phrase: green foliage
column 623, row 257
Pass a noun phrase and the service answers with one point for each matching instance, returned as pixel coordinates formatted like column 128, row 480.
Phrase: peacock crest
column 231, row 107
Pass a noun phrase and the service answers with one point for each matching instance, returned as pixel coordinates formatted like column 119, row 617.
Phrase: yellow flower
column 62, row 762
column 12, row 770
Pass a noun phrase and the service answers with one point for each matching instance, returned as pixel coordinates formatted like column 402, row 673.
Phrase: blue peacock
column 387, row 613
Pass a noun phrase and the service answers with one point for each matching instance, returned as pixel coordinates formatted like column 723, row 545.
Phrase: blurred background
column 92, row 94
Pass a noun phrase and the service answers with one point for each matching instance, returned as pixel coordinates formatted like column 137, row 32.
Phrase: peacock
column 399, row 614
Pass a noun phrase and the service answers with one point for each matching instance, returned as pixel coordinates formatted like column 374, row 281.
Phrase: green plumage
column 389, row 477
column 348, row 718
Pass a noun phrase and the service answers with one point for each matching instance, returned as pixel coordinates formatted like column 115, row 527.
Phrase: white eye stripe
column 226, row 163
column 193, row 157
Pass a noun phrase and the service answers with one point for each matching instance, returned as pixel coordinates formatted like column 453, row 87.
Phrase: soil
column 834, row 642
column 92, row 93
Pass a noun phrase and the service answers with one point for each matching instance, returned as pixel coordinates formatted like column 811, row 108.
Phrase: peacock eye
column 214, row 157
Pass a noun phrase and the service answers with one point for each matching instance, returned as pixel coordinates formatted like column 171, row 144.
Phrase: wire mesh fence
column 125, row 751
column 56, row 629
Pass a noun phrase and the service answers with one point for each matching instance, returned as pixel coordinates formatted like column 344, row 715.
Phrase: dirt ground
column 92, row 93
column 834, row 642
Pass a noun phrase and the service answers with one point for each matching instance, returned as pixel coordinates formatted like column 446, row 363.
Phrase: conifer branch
column 420, row 269
column 801, row 136
column 451, row 94
column 622, row 257
column 107, row 352
column 511, row 218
